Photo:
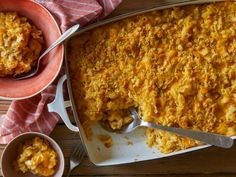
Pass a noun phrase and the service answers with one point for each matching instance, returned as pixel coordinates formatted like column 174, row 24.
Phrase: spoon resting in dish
column 208, row 138
column 62, row 38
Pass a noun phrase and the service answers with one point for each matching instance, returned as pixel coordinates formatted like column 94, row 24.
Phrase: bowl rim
column 60, row 66
column 60, row 154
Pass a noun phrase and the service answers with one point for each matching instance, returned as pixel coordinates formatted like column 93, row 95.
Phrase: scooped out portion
column 20, row 44
column 36, row 156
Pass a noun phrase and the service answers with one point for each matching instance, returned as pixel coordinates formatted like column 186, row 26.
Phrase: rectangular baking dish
column 121, row 152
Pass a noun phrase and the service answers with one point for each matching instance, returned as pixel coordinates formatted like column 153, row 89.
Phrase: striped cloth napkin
column 32, row 114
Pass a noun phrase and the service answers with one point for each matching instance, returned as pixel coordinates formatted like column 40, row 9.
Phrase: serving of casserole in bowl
column 174, row 63
column 24, row 35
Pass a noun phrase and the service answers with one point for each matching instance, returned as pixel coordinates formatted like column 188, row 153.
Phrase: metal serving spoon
column 62, row 38
column 209, row 138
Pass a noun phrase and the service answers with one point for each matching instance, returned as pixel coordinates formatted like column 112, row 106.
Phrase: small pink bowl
column 9, row 155
column 50, row 66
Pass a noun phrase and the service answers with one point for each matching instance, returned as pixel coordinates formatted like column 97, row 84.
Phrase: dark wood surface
column 211, row 162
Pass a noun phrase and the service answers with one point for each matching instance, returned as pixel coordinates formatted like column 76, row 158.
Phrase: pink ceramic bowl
column 50, row 66
column 9, row 155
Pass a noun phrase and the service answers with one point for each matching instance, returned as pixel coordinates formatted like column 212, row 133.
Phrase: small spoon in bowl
column 62, row 38
column 208, row 138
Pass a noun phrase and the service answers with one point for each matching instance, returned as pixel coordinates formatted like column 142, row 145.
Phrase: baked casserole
column 36, row 156
column 177, row 66
column 20, row 44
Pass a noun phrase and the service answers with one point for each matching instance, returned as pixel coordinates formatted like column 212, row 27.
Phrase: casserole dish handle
column 59, row 105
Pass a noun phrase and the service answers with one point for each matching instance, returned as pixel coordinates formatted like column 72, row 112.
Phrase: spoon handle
column 64, row 36
column 209, row 138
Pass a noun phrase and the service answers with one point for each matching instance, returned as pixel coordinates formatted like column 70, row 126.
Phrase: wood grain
column 134, row 5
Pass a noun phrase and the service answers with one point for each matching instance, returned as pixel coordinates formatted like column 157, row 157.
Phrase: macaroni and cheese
column 176, row 66
column 36, row 156
column 20, row 44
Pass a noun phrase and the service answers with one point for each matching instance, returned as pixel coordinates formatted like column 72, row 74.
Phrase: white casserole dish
column 121, row 151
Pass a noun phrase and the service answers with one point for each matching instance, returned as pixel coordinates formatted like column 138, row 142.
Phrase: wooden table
column 211, row 162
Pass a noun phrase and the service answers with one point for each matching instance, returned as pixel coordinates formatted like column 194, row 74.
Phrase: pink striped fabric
column 32, row 114
column 68, row 12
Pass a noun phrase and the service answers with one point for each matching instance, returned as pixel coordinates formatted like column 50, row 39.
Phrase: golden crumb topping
column 20, row 44
column 177, row 66
column 36, row 156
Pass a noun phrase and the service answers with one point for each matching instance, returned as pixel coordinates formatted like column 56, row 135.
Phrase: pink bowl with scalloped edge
column 11, row 89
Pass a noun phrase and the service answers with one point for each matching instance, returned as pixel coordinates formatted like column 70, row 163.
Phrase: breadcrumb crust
column 177, row 66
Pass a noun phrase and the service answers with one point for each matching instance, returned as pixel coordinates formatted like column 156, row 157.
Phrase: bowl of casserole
column 32, row 154
column 24, row 35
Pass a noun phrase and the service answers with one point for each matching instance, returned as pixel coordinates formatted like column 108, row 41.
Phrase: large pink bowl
column 13, row 90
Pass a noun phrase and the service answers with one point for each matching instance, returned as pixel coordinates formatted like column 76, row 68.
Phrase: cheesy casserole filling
column 177, row 66
column 20, row 44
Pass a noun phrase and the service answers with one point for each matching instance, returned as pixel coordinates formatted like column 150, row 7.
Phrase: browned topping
column 177, row 66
